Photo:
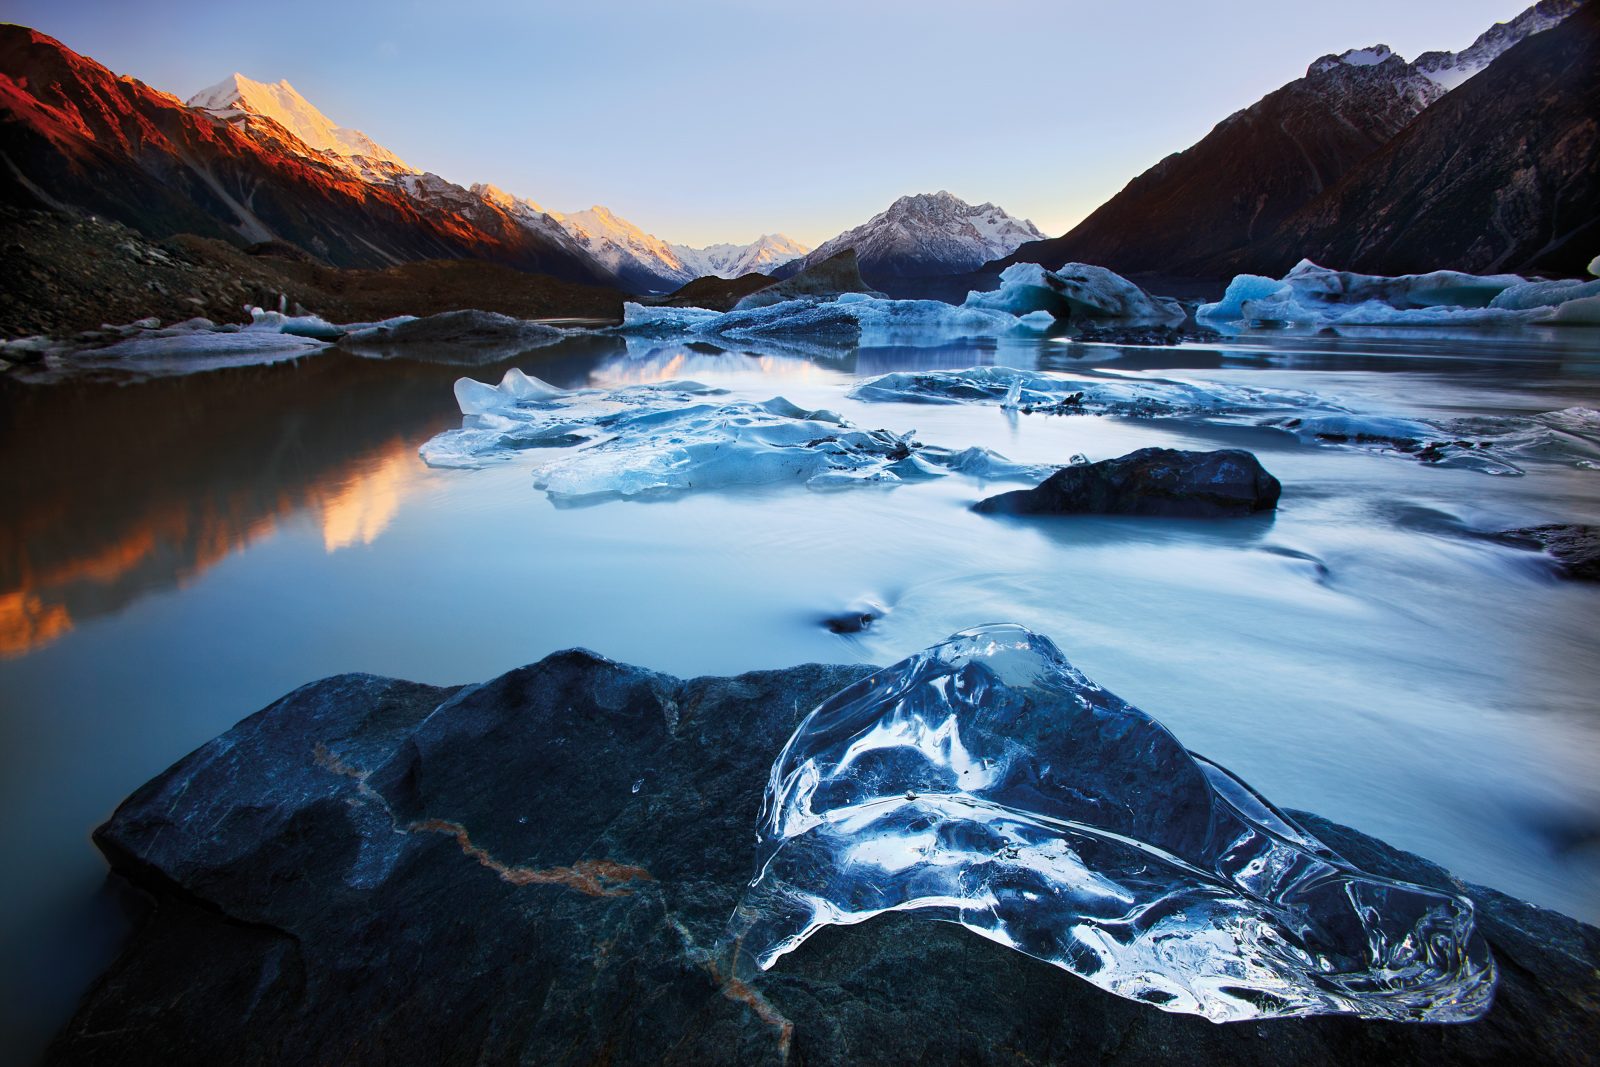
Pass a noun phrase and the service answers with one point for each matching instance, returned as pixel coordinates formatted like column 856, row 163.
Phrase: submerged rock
column 834, row 276
column 1576, row 548
column 538, row 869
column 1152, row 481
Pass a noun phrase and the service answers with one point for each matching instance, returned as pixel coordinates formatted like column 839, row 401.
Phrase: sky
column 719, row 120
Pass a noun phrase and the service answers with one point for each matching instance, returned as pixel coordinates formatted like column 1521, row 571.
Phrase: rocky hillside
column 74, row 136
column 1503, row 174
column 1217, row 208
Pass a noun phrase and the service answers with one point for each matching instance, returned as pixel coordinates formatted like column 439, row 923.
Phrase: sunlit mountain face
column 78, row 134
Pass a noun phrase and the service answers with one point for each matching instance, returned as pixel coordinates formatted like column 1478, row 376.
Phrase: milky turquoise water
column 178, row 553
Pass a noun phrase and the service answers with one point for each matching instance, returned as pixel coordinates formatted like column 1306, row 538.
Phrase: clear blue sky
column 717, row 120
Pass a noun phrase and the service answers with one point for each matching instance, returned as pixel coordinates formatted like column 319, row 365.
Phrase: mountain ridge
column 1212, row 209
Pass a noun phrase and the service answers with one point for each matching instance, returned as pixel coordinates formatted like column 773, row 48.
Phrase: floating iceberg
column 199, row 344
column 1488, row 444
column 1313, row 295
column 1077, row 291
column 454, row 337
column 856, row 318
column 671, row 437
column 987, row 782
column 1031, row 391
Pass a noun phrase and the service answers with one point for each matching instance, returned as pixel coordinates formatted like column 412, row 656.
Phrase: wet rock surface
column 537, row 869
column 1574, row 547
column 1151, row 481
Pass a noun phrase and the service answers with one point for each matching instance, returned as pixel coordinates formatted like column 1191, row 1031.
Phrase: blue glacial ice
column 853, row 318
column 987, row 782
column 1487, row 444
column 1030, row 299
column 1317, row 296
column 1076, row 292
column 671, row 437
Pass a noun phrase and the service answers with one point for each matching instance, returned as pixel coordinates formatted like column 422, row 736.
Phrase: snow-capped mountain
column 643, row 260
column 636, row 258
column 1450, row 69
column 237, row 99
column 764, row 255
column 930, row 234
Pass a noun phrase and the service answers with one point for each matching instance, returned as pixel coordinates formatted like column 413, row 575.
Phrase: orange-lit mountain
column 75, row 135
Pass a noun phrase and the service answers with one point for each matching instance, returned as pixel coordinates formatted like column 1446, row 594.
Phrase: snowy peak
column 764, row 255
column 1450, row 69
column 238, row 96
column 1439, row 72
column 930, row 234
column 1354, row 57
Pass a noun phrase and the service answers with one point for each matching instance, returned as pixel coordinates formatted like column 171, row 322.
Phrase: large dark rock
column 537, row 870
column 1575, row 548
column 1152, row 481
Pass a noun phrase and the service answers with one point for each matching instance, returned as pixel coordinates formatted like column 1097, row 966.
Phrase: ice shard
column 987, row 782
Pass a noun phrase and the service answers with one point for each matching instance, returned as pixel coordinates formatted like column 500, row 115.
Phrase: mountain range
column 1484, row 159
column 1381, row 165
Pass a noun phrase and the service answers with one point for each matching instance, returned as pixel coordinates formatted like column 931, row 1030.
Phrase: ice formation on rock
column 1313, row 295
column 669, row 437
column 987, row 782
column 1076, row 292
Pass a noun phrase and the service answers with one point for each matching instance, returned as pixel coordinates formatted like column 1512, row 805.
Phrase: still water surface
column 179, row 552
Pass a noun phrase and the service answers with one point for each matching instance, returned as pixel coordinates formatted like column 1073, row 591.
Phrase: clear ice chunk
column 987, row 782
column 670, row 437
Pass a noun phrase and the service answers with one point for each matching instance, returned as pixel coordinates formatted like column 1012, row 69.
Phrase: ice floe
column 1314, row 295
column 1489, row 444
column 457, row 337
column 1076, row 292
column 670, row 437
column 853, row 317
column 987, row 782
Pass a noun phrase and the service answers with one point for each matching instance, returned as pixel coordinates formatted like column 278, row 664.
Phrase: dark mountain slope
column 1199, row 211
column 1502, row 174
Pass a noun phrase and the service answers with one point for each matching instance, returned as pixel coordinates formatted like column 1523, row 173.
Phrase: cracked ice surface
column 668, row 437
column 987, row 782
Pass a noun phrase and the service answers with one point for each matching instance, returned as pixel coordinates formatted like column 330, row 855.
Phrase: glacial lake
column 180, row 551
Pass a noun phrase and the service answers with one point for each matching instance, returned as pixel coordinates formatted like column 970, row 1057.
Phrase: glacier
column 1318, row 296
column 663, row 438
column 987, row 782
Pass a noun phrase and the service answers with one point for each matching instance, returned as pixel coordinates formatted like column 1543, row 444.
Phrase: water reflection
column 151, row 483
